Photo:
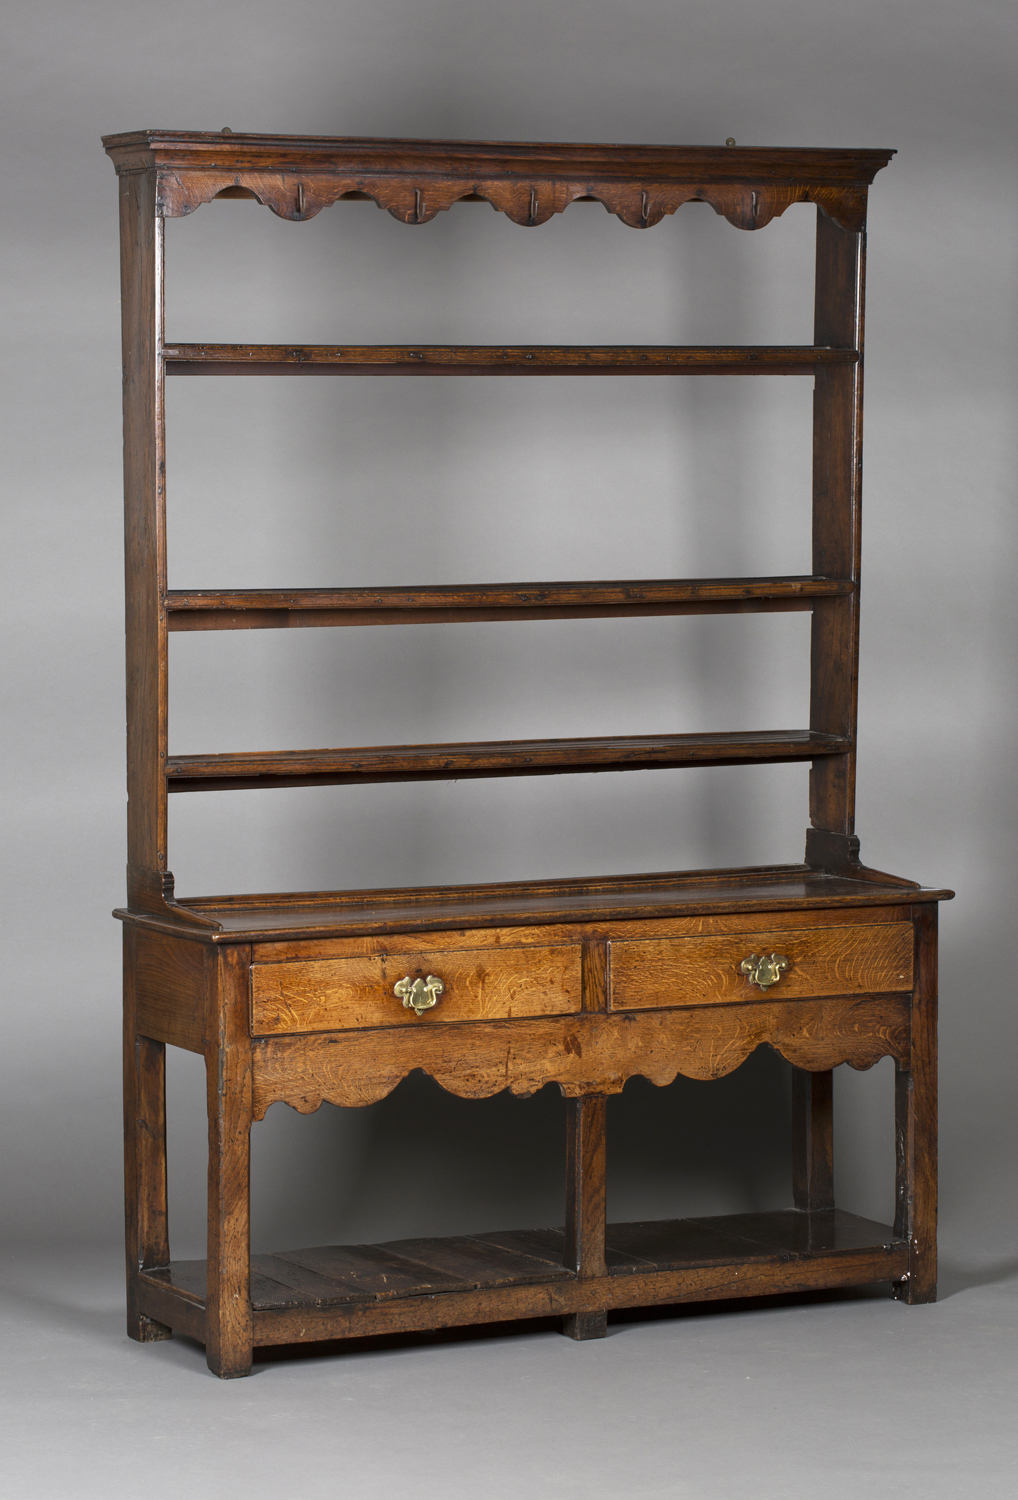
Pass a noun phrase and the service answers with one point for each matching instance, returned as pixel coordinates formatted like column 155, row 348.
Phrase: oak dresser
column 336, row 996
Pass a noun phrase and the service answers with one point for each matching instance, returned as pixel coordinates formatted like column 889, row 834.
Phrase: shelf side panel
column 837, row 480
column 141, row 245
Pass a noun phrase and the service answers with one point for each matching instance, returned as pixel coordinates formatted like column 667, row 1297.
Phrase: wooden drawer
column 481, row 984
column 666, row 972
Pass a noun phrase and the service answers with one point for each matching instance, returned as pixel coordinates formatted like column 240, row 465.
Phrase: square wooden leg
column 146, row 1234
column 585, row 1205
column 915, row 1108
column 813, row 1139
column 228, row 1345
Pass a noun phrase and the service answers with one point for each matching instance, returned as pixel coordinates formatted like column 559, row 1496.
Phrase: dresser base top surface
column 250, row 918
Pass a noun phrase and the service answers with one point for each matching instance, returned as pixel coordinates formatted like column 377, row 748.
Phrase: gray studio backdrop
column 334, row 482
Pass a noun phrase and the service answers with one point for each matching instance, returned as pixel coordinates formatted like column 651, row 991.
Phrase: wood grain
column 776, row 1274
column 915, row 1099
column 583, row 1054
column 480, row 984
column 172, row 988
column 837, row 510
column 528, row 968
column 298, row 176
column 586, row 1205
column 474, row 359
column 400, row 1271
column 596, row 932
column 452, row 762
column 228, row 1077
column 812, row 1139
column 269, row 609
column 145, row 1201
column 141, row 261
column 856, row 960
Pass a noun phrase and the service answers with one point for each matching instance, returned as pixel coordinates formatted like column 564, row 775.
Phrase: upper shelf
column 298, row 176
column 262, row 609
column 500, row 359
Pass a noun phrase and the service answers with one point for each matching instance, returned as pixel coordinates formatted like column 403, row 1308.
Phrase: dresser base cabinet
column 299, row 1001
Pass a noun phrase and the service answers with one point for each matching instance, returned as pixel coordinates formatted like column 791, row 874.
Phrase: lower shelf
column 337, row 1291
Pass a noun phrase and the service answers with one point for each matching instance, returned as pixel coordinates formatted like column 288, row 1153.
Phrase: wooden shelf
column 408, row 1284
column 468, row 359
column 298, row 915
column 267, row 609
column 452, row 762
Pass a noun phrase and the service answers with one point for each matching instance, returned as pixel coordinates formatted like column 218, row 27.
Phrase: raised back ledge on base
column 298, row 176
column 318, row 914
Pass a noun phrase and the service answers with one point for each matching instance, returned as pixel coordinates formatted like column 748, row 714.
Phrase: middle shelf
column 501, row 359
column 266, row 609
column 246, row 770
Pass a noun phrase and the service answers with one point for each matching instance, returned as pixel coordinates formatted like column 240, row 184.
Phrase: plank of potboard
column 477, row 1262
column 550, row 1243
column 190, row 1277
column 373, row 1270
column 304, row 1285
column 680, row 1242
column 792, row 1232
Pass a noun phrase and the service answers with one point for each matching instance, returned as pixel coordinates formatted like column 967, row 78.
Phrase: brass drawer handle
column 419, row 995
column 764, row 969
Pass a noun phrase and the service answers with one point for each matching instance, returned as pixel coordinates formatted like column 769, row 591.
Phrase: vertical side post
column 145, row 1212
column 834, row 641
column 586, row 1205
column 915, row 1110
column 813, row 1139
column 228, row 1344
column 141, row 274
column 837, row 479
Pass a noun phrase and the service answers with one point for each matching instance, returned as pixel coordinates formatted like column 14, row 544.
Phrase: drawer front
column 668, row 972
column 480, row 984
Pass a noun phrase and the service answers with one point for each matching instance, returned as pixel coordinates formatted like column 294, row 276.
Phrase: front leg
column 915, row 1101
column 228, row 1343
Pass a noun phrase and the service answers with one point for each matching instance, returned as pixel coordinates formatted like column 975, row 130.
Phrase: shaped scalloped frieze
column 582, row 1054
column 301, row 197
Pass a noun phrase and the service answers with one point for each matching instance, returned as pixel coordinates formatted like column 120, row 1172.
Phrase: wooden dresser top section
column 297, row 176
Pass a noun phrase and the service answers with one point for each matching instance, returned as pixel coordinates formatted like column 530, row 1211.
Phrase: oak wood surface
column 666, row 948
column 586, row 1204
column 475, row 359
column 403, row 1269
column 776, row 1274
column 380, row 763
column 184, row 149
column 915, row 1128
column 813, row 1139
column 339, row 994
column 141, row 260
column 583, row 1054
column 145, row 1197
column 299, row 176
column 165, row 1306
column 585, row 1185
column 693, row 894
column 172, row 982
column 228, row 1087
column 842, row 960
column 698, row 1260
column 267, row 609
column 593, row 936
column 837, row 493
